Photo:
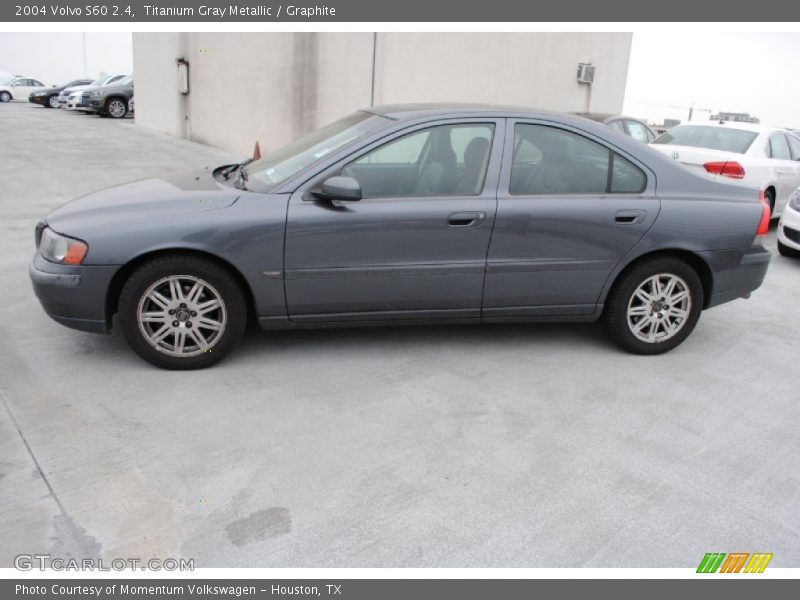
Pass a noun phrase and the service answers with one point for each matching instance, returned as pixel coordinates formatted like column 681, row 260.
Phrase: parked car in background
column 110, row 100
column 131, row 105
column 407, row 214
column 20, row 88
column 63, row 97
column 638, row 130
column 49, row 96
column 767, row 158
column 789, row 227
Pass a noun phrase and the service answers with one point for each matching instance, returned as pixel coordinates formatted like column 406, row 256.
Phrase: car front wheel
column 52, row 101
column 117, row 108
column 5, row 97
column 182, row 312
column 654, row 306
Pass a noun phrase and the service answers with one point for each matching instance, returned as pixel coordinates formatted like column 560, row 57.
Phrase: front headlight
column 794, row 200
column 61, row 249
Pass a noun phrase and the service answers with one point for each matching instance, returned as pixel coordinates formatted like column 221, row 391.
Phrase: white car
column 63, row 97
column 789, row 227
column 20, row 88
column 767, row 158
column 74, row 101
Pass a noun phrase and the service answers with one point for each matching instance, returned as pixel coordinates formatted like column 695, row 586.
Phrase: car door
column 794, row 148
column 414, row 247
column 785, row 168
column 18, row 88
column 569, row 208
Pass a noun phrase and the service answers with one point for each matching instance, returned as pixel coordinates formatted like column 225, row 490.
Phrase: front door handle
column 465, row 219
column 630, row 217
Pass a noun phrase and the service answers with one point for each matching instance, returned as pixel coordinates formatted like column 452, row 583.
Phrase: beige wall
column 272, row 87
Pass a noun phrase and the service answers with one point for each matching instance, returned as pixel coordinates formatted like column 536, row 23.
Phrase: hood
column 178, row 193
column 76, row 88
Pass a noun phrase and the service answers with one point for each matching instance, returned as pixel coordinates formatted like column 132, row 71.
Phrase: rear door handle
column 630, row 216
column 465, row 219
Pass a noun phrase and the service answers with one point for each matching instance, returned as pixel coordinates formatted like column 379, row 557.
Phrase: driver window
column 447, row 160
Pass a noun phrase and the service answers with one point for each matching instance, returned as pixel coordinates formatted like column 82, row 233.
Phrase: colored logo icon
column 735, row 562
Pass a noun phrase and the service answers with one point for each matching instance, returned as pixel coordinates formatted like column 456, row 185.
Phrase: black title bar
column 220, row 11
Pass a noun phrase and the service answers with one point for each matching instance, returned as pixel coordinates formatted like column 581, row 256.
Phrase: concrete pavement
column 534, row 445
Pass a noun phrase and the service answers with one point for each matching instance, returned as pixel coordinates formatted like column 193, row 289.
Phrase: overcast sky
column 737, row 72
column 58, row 57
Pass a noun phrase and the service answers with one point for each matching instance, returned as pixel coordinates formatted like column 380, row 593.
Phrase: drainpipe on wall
column 183, row 104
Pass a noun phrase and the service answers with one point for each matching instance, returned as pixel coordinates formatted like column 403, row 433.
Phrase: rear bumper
column 736, row 273
column 74, row 296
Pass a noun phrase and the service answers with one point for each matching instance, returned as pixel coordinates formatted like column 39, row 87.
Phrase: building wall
column 273, row 87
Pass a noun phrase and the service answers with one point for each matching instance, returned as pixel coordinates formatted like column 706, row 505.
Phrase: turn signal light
column 728, row 168
column 76, row 253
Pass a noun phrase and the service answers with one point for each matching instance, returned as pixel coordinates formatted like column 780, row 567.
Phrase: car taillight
column 766, row 213
column 728, row 168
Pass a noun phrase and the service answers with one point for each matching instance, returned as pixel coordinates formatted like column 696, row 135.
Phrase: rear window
column 711, row 137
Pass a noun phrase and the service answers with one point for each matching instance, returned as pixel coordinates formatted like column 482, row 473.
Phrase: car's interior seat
column 552, row 175
column 439, row 168
column 475, row 157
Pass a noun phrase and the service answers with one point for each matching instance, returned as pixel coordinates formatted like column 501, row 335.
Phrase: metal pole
column 374, row 52
column 83, row 42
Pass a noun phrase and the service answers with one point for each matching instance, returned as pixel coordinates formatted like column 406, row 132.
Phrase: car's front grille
column 792, row 234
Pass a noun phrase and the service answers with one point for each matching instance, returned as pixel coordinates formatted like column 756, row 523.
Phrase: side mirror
column 340, row 187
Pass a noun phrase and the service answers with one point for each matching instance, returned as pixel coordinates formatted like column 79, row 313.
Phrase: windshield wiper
column 238, row 169
column 241, row 175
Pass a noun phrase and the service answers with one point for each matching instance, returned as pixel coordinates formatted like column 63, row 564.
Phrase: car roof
column 404, row 112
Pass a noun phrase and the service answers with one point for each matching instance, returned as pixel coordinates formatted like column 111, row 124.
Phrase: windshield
column 278, row 166
column 124, row 80
column 708, row 136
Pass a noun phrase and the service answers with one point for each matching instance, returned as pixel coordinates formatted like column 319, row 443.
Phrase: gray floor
column 461, row 446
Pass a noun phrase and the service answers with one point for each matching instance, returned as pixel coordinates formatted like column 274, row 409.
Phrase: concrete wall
column 272, row 87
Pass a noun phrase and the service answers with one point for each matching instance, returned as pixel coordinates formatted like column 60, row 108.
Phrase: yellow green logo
column 735, row 562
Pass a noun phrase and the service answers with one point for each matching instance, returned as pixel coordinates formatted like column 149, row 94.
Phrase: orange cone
column 257, row 152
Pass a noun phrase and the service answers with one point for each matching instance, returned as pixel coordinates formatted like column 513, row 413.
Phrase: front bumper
column 736, row 273
column 74, row 296
column 789, row 228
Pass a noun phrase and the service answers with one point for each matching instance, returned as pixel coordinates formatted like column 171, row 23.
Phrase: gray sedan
column 409, row 214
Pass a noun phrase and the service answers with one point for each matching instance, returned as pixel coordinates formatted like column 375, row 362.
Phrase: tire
column 788, row 252
column 150, row 294
column 52, row 101
column 769, row 198
column 654, row 316
column 116, row 108
column 5, row 97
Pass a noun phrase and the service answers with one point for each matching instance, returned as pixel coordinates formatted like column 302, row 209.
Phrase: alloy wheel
column 182, row 315
column 53, row 101
column 659, row 308
column 117, row 109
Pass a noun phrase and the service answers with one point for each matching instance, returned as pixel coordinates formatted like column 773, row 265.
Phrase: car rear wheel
column 654, row 306
column 5, row 97
column 769, row 198
column 785, row 250
column 182, row 312
column 52, row 101
column 116, row 108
